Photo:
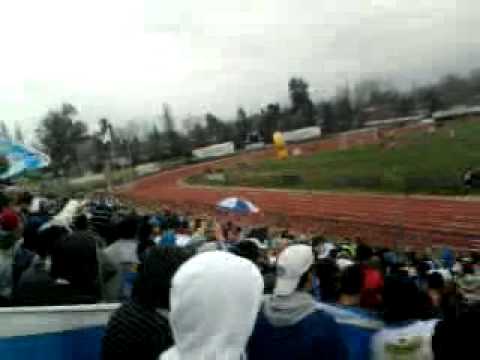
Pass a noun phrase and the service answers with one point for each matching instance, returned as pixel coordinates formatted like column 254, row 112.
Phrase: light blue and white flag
column 21, row 158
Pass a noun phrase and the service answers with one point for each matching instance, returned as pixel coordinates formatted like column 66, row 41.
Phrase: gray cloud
column 123, row 60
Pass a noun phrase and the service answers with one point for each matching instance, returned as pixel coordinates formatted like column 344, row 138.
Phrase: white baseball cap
column 292, row 263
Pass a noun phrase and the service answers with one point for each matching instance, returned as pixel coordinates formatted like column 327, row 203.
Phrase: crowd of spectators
column 196, row 287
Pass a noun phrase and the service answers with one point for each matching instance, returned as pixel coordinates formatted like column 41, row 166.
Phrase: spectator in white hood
column 214, row 302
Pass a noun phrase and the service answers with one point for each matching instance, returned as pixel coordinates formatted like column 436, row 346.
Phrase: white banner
column 216, row 150
column 302, row 134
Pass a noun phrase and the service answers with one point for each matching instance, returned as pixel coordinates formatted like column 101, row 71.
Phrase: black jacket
column 136, row 332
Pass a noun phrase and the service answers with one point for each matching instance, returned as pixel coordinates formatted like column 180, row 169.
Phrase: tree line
column 61, row 133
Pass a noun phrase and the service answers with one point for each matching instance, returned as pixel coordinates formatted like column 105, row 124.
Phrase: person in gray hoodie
column 290, row 326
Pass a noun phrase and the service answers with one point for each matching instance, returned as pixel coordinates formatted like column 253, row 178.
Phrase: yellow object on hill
column 280, row 146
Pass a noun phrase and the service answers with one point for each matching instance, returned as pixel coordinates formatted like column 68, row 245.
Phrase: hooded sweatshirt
column 75, row 270
column 288, row 310
column 215, row 299
column 290, row 327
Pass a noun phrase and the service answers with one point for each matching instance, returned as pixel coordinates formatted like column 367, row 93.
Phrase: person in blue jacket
column 289, row 325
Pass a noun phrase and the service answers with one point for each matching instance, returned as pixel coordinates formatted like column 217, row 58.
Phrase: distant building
column 456, row 112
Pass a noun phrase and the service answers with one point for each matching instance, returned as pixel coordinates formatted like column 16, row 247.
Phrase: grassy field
column 420, row 163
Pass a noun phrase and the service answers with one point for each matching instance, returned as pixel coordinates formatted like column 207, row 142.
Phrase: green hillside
column 420, row 163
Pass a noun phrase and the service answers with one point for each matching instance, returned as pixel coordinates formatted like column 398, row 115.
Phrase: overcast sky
column 122, row 59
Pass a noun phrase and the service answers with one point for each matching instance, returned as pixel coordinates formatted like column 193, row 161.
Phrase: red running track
column 383, row 220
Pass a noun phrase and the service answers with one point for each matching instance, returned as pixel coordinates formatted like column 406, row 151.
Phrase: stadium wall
column 53, row 333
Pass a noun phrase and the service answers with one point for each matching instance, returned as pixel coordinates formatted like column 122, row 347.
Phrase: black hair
column 327, row 273
column 171, row 222
column 74, row 258
column 80, row 222
column 47, row 239
column 403, row 300
column 351, row 280
column 364, row 253
column 422, row 269
column 435, row 281
column 317, row 240
column 248, row 250
column 127, row 228
column 144, row 238
column 260, row 233
column 304, row 279
column 144, row 229
column 152, row 287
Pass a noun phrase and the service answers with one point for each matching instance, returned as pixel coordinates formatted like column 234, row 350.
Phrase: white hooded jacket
column 215, row 300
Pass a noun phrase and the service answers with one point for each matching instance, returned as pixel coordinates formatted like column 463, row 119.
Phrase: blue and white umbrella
column 237, row 206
